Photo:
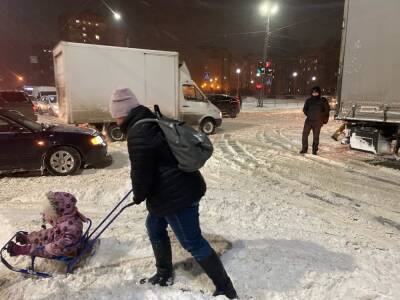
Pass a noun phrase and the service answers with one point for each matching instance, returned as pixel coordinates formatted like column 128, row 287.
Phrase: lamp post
column 238, row 71
column 295, row 74
column 267, row 10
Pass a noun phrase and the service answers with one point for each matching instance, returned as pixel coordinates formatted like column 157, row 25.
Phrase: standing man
column 172, row 196
column 316, row 109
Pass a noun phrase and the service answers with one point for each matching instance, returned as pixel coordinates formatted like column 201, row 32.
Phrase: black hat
column 316, row 89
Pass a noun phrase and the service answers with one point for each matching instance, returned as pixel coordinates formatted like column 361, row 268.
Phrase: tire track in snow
column 348, row 205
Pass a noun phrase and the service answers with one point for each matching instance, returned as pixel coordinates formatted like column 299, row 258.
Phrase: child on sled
column 62, row 239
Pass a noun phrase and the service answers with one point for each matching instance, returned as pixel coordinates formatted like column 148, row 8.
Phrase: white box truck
column 368, row 95
column 42, row 91
column 86, row 75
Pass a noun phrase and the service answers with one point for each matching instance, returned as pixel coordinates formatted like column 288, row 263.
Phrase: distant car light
column 40, row 143
column 97, row 140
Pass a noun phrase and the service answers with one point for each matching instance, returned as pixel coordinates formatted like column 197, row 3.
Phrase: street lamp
column 117, row 16
column 20, row 78
column 238, row 71
column 267, row 9
column 314, row 78
column 295, row 74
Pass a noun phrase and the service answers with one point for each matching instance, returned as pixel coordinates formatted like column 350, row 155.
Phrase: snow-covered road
column 300, row 227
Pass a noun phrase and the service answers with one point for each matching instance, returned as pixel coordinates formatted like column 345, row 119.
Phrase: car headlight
column 97, row 140
column 220, row 115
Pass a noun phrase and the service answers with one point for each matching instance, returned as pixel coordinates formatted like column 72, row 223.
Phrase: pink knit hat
column 122, row 102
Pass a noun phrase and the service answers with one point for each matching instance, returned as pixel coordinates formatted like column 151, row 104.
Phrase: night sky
column 182, row 25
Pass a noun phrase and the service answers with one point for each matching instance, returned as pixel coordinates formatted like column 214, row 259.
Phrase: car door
column 44, row 105
column 225, row 104
column 27, row 146
column 194, row 105
column 8, row 159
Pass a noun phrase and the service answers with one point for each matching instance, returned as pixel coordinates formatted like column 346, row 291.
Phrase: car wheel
column 207, row 126
column 114, row 133
column 63, row 161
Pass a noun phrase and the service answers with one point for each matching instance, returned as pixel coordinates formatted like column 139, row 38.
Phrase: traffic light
column 268, row 64
column 260, row 68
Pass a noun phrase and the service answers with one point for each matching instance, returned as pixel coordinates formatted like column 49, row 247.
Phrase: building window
column 83, row 28
column 77, row 21
column 97, row 24
column 97, row 37
column 84, row 22
column 84, row 34
column 90, row 23
column 84, row 41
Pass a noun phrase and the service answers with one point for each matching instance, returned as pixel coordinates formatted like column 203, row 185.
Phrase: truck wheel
column 114, row 133
column 63, row 161
column 207, row 126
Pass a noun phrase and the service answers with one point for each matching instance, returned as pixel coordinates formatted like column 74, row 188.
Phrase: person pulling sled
column 171, row 191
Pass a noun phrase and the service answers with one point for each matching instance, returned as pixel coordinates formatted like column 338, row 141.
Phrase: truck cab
column 195, row 108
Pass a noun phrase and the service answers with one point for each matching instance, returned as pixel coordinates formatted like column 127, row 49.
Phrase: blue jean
column 185, row 224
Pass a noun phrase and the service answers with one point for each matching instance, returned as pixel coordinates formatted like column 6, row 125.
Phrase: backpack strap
column 148, row 120
column 157, row 112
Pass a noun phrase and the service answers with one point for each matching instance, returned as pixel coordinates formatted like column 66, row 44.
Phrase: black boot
column 164, row 274
column 315, row 150
column 303, row 151
column 213, row 267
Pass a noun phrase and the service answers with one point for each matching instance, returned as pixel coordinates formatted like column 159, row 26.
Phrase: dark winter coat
column 155, row 175
column 317, row 110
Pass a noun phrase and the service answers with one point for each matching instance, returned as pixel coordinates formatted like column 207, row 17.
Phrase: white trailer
column 369, row 99
column 86, row 75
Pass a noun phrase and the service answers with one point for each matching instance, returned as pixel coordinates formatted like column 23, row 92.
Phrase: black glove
column 134, row 202
column 137, row 202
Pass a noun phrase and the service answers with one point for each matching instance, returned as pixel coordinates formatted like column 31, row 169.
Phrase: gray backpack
column 191, row 148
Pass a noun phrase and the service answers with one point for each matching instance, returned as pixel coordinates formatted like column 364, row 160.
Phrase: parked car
column 48, row 104
column 41, row 91
column 35, row 103
column 61, row 150
column 229, row 106
column 17, row 101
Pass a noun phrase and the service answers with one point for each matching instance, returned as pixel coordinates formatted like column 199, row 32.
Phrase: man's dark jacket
column 317, row 110
column 155, row 175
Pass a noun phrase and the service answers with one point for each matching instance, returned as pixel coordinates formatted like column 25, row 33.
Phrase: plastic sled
column 86, row 243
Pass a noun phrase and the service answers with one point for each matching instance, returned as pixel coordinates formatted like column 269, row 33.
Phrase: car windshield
column 19, row 118
column 52, row 99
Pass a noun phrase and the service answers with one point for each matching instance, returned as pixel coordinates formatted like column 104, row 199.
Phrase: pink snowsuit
column 63, row 238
